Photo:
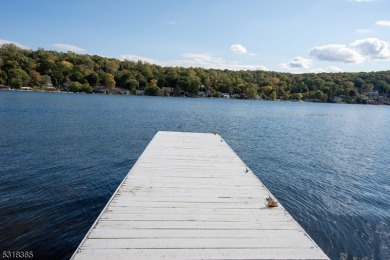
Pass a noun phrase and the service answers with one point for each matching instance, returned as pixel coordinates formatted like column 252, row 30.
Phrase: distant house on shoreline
column 46, row 85
column 99, row 89
column 5, row 87
column 139, row 92
column 225, row 95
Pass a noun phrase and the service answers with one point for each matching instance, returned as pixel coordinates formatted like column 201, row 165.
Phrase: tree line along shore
column 57, row 71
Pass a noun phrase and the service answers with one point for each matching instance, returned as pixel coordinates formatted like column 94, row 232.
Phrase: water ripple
column 62, row 157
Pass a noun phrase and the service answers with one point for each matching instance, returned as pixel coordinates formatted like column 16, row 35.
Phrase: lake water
column 63, row 155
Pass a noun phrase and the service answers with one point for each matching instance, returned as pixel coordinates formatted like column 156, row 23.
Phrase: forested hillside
column 92, row 73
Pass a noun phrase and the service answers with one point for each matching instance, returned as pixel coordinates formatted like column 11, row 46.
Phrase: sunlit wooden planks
column 189, row 196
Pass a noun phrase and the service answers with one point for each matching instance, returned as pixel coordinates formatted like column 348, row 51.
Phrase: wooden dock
column 189, row 196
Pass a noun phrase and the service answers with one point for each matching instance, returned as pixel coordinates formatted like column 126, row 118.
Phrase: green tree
column 359, row 83
column 92, row 78
column 172, row 77
column 352, row 93
column 320, row 96
column 367, row 87
column 45, row 79
column 152, row 91
column 109, row 81
column 297, row 96
column 131, row 84
column 18, row 78
column 251, row 92
column 86, row 88
column 360, row 99
column 111, row 66
column 75, row 87
column 193, row 85
column 183, row 84
column 35, row 78
column 382, row 86
column 3, row 77
column 272, row 96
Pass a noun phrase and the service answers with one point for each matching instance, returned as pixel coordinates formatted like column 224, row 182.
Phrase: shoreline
column 202, row 97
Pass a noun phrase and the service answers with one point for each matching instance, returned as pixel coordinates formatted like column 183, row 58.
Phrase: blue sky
column 279, row 35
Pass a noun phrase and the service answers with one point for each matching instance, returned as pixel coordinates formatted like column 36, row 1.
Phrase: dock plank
column 234, row 253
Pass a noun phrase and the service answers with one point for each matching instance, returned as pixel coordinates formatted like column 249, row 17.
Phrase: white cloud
column 357, row 52
column 372, row 48
column 283, row 65
column 11, row 42
column 334, row 69
column 383, row 23
column 203, row 60
column 207, row 61
column 363, row 31
column 297, row 63
column 336, row 52
column 68, row 47
column 172, row 22
column 330, row 69
column 132, row 57
column 238, row 48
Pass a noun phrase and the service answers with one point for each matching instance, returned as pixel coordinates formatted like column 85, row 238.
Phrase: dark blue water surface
column 63, row 155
